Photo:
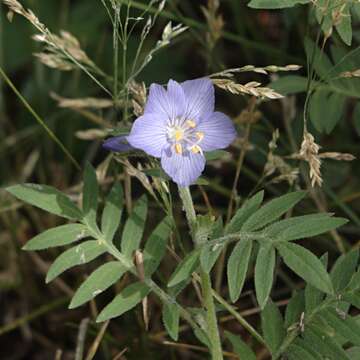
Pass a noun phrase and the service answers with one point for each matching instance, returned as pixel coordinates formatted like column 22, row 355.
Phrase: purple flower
column 117, row 144
column 179, row 124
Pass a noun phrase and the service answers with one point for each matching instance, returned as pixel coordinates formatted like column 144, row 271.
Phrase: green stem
column 211, row 319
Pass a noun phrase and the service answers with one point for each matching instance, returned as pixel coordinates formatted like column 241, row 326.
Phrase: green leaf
column 294, row 309
column 80, row 254
column 101, row 279
column 275, row 4
column 111, row 215
column 325, row 344
column 171, row 317
column 155, row 247
column 305, row 264
column 348, row 328
column 125, row 301
column 344, row 26
column 343, row 269
column 210, row 253
column 322, row 63
column 240, row 348
column 272, row 210
column 354, row 352
column 272, row 326
column 237, row 267
column 309, row 349
column 313, row 296
column 58, row 236
column 185, row 268
column 290, row 84
column 301, row 227
column 46, row 198
column 326, row 108
column 243, row 214
column 296, row 352
column 264, row 273
column 134, row 227
column 354, row 283
column 90, row 195
column 356, row 117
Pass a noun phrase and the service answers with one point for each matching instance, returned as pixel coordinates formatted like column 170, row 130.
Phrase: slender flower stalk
column 211, row 319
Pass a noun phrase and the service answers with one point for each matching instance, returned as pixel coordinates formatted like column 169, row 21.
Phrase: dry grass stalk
column 68, row 44
column 215, row 22
column 309, row 152
column 138, row 91
column 276, row 163
column 139, row 261
column 62, row 52
column 252, row 88
column 82, row 103
column 91, row 134
column 350, row 74
column 266, row 70
column 137, row 173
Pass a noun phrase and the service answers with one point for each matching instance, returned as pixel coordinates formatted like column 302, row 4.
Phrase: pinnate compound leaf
column 134, row 227
column 306, row 265
column 101, row 279
column 264, row 273
column 112, row 212
column 240, row 348
column 125, row 301
column 78, row 255
column 171, row 318
column 272, row 325
column 155, row 247
column 90, row 195
column 237, row 267
column 57, row 236
column 249, row 207
column 185, row 268
column 275, row 4
column 272, row 210
column 46, row 198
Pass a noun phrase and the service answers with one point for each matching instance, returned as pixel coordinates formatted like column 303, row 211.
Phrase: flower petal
column 170, row 103
column 117, row 144
column 149, row 134
column 184, row 169
column 219, row 132
column 200, row 98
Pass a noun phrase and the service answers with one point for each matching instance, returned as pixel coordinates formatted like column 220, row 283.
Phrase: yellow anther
column 199, row 135
column 191, row 124
column 178, row 148
column 179, row 134
column 196, row 149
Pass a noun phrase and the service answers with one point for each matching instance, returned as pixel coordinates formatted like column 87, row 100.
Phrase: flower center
column 183, row 135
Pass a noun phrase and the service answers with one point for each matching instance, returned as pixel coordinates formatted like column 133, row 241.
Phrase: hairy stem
column 211, row 319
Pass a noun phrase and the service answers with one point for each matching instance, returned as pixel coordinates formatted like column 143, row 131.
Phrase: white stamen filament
column 183, row 131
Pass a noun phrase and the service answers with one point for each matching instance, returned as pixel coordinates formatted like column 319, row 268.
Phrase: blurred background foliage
column 246, row 36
